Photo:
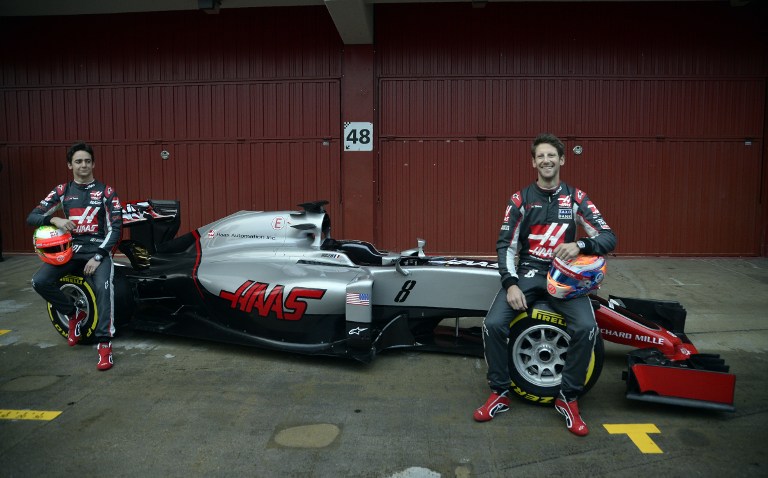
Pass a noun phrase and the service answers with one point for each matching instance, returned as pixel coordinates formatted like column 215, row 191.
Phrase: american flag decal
column 358, row 299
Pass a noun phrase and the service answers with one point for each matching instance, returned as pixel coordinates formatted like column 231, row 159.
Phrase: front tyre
column 538, row 345
column 82, row 294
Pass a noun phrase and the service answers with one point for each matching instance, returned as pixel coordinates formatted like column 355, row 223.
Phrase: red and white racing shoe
column 496, row 403
column 105, row 356
column 570, row 410
column 73, row 335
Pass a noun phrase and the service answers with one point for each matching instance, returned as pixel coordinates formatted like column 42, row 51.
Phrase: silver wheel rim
column 539, row 355
column 81, row 302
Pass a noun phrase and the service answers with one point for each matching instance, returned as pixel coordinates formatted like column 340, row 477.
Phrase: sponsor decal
column 467, row 262
column 278, row 223
column 355, row 298
column 551, row 289
column 564, row 202
column 59, row 189
column 330, row 255
column 530, row 273
column 565, row 214
column 257, row 297
column 72, row 280
column 547, row 316
column 96, row 195
column 517, row 199
column 357, row 330
column 71, row 198
column 237, row 235
column 649, row 339
column 616, row 333
column 593, row 208
column 544, row 238
column 534, row 398
column 85, row 220
column 506, row 214
column 505, row 227
column 580, row 195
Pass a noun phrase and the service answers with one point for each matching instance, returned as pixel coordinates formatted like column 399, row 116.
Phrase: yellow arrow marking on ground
column 28, row 415
column 638, row 433
column 3, row 331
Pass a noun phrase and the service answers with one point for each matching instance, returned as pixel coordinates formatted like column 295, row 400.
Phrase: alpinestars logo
column 85, row 220
column 544, row 238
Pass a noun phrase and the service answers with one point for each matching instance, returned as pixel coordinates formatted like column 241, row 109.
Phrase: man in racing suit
column 93, row 215
column 540, row 223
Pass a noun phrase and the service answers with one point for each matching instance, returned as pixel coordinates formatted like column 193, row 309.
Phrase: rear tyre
column 537, row 352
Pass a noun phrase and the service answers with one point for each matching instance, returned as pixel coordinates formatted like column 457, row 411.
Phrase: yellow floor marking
column 3, row 331
column 638, row 433
column 28, row 415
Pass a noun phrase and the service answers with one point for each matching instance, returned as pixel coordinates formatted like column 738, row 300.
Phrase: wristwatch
column 582, row 245
column 98, row 257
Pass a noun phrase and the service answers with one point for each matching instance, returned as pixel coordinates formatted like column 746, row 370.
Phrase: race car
column 278, row 280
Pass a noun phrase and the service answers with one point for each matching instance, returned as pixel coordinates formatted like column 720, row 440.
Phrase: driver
column 93, row 215
column 540, row 224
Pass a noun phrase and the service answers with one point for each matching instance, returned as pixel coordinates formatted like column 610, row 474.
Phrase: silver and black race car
column 278, row 280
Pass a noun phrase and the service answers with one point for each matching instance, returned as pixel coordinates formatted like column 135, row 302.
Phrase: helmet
column 582, row 275
column 53, row 245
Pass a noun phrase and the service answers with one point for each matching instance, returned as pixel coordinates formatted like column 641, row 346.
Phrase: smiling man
column 540, row 225
column 93, row 217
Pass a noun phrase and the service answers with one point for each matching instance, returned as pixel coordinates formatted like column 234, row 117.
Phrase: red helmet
column 53, row 245
column 576, row 278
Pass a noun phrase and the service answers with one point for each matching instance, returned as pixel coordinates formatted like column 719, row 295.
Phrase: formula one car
column 278, row 280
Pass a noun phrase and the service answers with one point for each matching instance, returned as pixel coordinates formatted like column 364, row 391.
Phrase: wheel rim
column 539, row 355
column 78, row 297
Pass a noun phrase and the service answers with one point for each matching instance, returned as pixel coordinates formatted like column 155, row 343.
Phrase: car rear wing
column 152, row 222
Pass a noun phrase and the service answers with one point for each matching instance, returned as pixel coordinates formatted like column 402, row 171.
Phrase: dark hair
column 548, row 138
column 79, row 147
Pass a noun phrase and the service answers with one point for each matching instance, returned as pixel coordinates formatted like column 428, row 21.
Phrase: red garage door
column 669, row 124
column 245, row 104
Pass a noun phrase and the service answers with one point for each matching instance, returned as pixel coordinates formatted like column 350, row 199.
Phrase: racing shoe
column 75, row 319
column 496, row 403
column 105, row 356
column 570, row 410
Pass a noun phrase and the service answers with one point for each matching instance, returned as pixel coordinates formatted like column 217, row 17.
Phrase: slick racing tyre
column 82, row 294
column 538, row 344
column 84, row 297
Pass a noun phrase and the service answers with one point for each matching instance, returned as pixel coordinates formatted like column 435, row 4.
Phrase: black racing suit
column 535, row 222
column 97, row 213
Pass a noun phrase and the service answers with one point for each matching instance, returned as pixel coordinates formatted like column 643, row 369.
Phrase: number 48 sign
column 358, row 136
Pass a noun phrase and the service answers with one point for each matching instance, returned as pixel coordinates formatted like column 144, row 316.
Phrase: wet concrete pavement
column 178, row 407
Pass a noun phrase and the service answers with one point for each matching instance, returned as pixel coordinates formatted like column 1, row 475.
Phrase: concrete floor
column 176, row 407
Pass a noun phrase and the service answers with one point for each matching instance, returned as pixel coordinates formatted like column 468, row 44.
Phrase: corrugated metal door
column 670, row 123
column 245, row 102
